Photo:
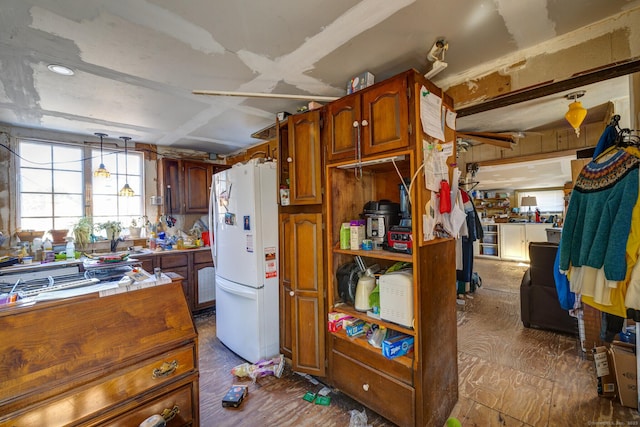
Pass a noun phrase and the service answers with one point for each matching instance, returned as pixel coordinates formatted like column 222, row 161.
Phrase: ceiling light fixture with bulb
column 576, row 114
column 101, row 172
column 60, row 69
column 436, row 55
column 126, row 190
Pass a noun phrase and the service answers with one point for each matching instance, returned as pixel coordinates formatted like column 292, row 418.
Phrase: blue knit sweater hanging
column 598, row 219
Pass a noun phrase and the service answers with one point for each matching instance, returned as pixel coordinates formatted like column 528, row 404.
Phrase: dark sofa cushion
column 542, row 257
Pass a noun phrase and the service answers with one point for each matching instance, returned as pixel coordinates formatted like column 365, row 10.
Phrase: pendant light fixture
column 576, row 114
column 101, row 172
column 126, row 190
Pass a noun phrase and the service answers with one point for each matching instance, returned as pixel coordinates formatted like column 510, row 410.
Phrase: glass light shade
column 126, row 191
column 101, row 172
column 576, row 115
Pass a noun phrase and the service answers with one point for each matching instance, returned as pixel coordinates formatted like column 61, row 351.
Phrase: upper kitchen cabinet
column 186, row 184
column 371, row 121
column 300, row 165
column 197, row 175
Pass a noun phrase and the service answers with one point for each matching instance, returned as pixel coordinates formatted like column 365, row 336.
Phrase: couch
column 539, row 305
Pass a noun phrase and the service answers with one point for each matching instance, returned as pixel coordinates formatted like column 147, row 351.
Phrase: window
column 549, row 201
column 52, row 190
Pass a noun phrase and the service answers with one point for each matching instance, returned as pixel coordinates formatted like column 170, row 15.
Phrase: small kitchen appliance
column 380, row 216
column 396, row 297
column 366, row 284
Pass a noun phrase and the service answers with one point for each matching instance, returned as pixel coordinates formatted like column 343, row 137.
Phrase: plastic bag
column 358, row 419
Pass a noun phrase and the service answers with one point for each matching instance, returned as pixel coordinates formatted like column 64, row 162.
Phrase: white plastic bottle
column 70, row 249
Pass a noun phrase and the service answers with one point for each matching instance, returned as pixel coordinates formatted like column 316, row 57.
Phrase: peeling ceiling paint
column 137, row 61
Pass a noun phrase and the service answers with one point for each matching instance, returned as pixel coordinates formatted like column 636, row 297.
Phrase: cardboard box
column 356, row 328
column 336, row 321
column 359, row 82
column 624, row 362
column 604, row 371
column 396, row 344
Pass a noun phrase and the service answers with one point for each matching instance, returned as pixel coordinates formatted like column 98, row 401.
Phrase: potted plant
column 83, row 231
column 134, row 229
column 113, row 229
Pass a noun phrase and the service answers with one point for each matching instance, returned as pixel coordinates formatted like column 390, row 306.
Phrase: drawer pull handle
column 293, row 294
column 169, row 414
column 165, row 370
column 365, row 387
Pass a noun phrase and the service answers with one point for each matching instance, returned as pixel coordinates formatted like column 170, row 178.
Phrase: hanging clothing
column 465, row 272
column 598, row 218
column 607, row 139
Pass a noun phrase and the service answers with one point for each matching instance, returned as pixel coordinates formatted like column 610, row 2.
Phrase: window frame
column 86, row 171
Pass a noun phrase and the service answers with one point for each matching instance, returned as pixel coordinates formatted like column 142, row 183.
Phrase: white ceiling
column 137, row 61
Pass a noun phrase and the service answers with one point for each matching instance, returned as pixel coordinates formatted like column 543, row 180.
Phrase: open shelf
column 362, row 343
column 348, row 309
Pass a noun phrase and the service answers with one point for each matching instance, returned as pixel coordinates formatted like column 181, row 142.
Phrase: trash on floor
column 235, row 396
column 358, row 419
column 317, row 398
column 273, row 366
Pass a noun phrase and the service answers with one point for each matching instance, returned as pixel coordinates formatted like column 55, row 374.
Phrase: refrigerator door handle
column 240, row 292
column 212, row 232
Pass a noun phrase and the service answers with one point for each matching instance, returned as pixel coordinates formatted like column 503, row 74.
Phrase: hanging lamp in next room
column 576, row 114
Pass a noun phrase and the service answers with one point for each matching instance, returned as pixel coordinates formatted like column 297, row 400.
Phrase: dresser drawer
column 114, row 388
column 181, row 401
column 385, row 395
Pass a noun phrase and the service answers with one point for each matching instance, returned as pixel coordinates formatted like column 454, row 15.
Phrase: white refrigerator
column 244, row 220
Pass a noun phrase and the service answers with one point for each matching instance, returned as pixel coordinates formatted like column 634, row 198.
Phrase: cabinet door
column 197, row 181
column 385, row 117
column 172, row 185
column 304, row 158
column 341, row 135
column 512, row 242
column 302, row 306
column 286, row 287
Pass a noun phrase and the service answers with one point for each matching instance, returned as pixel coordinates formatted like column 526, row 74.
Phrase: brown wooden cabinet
column 196, row 268
column 302, row 311
column 371, row 121
column 110, row 360
column 300, row 166
column 422, row 385
column 197, row 175
column 186, row 185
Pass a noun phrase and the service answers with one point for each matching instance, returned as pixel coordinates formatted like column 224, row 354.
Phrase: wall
column 612, row 40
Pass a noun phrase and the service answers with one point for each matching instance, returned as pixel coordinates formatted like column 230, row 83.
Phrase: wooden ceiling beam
column 589, row 77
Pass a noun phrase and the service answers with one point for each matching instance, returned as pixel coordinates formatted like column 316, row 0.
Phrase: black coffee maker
column 399, row 237
column 380, row 215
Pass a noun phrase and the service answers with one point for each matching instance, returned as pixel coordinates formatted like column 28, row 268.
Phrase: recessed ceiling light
column 61, row 69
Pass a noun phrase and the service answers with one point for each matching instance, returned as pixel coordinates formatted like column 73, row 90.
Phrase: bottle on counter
column 70, row 250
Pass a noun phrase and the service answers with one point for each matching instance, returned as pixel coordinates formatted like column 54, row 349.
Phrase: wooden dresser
column 90, row 360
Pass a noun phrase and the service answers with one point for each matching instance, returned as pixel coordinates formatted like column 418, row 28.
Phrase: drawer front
column 174, row 260
column 182, row 401
column 373, row 359
column 115, row 388
column 385, row 395
column 202, row 256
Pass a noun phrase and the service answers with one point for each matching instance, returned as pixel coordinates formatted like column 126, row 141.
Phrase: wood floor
column 508, row 375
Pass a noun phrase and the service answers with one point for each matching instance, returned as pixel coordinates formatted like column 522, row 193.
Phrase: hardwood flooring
column 508, row 375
